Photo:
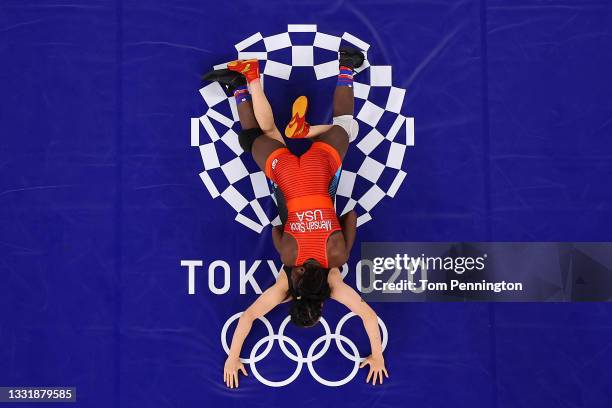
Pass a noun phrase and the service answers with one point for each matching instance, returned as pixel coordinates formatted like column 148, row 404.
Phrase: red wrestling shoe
column 298, row 128
column 248, row 68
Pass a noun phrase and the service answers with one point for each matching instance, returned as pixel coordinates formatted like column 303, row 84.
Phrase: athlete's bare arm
column 339, row 244
column 277, row 239
column 346, row 295
column 285, row 245
column 349, row 228
column 264, row 303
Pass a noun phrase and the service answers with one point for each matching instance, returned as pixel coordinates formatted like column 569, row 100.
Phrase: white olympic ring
column 293, row 376
column 347, row 316
column 298, row 356
column 269, row 337
column 281, row 341
column 338, row 338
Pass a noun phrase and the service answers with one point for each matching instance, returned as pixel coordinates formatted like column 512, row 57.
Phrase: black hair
column 309, row 292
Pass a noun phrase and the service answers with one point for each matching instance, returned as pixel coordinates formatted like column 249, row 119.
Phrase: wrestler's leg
column 316, row 130
column 343, row 103
column 252, row 138
column 338, row 136
column 271, row 138
column 261, row 106
column 263, row 111
column 246, row 115
column 260, row 135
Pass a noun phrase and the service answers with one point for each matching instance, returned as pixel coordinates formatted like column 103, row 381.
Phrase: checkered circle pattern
column 374, row 168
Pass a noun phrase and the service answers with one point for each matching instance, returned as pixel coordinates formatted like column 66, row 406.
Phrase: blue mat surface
column 101, row 197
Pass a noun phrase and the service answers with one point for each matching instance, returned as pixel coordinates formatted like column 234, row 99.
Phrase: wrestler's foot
column 351, row 57
column 230, row 80
column 248, row 68
column 298, row 127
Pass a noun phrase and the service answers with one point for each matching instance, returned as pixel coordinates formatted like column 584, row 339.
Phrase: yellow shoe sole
column 298, row 114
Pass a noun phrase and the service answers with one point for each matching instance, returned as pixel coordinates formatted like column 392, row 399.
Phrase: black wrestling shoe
column 351, row 57
column 230, row 80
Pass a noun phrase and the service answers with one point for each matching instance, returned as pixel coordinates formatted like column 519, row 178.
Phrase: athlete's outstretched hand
column 377, row 368
column 230, row 371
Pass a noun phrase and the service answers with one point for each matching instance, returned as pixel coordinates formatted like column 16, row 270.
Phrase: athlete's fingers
column 224, row 375
column 236, row 378
column 380, row 375
column 364, row 363
column 243, row 370
column 386, row 373
column 369, row 375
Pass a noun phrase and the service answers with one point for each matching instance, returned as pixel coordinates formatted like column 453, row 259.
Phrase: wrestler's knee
column 247, row 137
column 349, row 125
column 269, row 130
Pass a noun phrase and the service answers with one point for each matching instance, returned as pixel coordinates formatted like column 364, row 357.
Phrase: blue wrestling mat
column 134, row 229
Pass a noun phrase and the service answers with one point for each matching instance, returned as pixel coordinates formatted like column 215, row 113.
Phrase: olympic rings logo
column 297, row 355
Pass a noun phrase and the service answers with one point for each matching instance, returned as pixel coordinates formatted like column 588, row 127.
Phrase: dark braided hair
column 310, row 290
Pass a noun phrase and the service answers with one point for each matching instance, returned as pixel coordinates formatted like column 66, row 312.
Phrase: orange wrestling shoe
column 298, row 127
column 248, row 68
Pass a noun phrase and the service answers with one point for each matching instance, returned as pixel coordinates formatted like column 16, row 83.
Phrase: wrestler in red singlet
column 304, row 182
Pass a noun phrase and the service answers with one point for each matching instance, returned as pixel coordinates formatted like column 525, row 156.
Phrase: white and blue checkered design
column 377, row 167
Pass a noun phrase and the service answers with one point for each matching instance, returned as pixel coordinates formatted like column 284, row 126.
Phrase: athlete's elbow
column 248, row 317
column 368, row 314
